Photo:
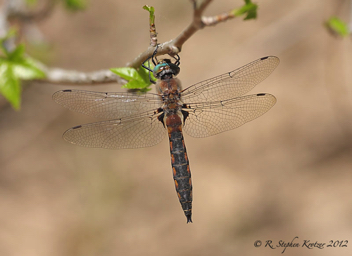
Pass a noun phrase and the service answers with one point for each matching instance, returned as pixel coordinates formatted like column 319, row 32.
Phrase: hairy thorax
column 169, row 91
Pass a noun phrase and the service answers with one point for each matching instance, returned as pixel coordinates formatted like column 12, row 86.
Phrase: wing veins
column 232, row 84
column 106, row 105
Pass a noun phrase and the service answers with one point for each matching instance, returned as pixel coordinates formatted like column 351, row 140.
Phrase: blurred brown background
column 285, row 174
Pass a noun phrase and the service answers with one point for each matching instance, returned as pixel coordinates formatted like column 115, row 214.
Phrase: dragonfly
column 204, row 109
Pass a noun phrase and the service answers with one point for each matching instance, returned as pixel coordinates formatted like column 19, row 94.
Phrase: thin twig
column 153, row 36
column 172, row 47
column 62, row 76
column 213, row 20
column 152, row 28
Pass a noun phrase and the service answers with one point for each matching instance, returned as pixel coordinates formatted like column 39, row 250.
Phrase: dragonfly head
column 165, row 69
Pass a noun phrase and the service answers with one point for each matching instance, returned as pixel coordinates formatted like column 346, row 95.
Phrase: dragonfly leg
column 154, row 62
column 147, row 68
column 177, row 62
column 151, row 57
column 144, row 66
column 154, row 55
column 150, row 70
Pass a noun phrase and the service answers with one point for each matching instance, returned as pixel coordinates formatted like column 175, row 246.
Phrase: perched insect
column 201, row 110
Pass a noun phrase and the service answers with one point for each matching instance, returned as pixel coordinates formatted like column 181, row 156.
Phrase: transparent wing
column 231, row 84
column 210, row 118
column 132, row 132
column 106, row 105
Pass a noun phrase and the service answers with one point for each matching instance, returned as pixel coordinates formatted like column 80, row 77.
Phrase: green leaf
column 17, row 54
column 27, row 70
column 127, row 73
column 150, row 9
column 145, row 75
column 249, row 10
column 14, row 67
column 23, row 67
column 75, row 5
column 337, row 26
column 137, row 79
column 134, row 84
column 10, row 86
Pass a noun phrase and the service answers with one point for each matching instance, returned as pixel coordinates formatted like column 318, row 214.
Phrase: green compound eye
column 165, row 67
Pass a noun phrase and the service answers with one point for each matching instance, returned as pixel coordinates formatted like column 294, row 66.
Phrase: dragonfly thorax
column 165, row 69
column 169, row 92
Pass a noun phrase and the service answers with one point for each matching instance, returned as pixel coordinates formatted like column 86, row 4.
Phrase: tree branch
column 172, row 47
column 62, row 76
column 213, row 20
column 152, row 28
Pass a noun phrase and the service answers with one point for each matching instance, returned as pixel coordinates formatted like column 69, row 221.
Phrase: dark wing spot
column 76, row 127
column 66, row 90
column 185, row 115
column 264, row 58
column 261, row 94
column 161, row 119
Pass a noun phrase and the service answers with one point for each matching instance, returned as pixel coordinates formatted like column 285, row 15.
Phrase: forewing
column 132, row 132
column 107, row 105
column 207, row 119
column 231, row 84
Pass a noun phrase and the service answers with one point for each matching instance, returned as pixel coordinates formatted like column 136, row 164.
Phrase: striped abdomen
column 180, row 164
